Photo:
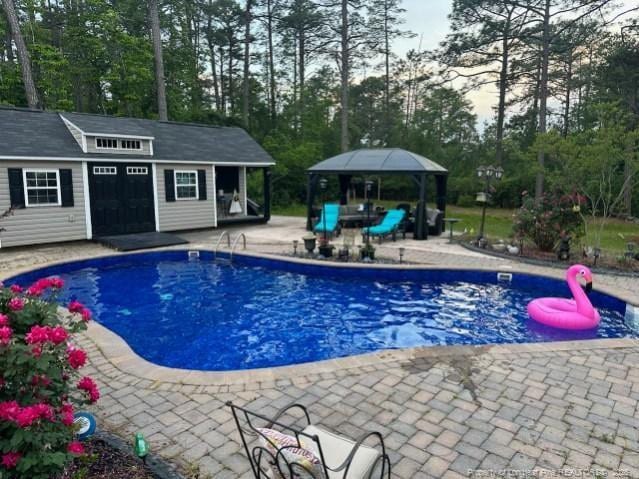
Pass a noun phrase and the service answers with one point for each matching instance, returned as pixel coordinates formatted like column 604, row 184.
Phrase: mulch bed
column 106, row 462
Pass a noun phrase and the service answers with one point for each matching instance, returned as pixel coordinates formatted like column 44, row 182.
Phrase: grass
column 499, row 224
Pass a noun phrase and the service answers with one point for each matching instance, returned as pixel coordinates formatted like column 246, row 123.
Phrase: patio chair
column 280, row 448
column 390, row 225
column 329, row 219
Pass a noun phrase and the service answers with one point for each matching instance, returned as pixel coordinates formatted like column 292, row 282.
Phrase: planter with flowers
column 40, row 384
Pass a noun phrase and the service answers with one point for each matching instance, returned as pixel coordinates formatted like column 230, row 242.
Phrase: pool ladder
column 225, row 234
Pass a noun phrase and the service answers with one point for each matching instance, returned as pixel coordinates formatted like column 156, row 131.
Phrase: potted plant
column 309, row 243
column 367, row 251
column 325, row 249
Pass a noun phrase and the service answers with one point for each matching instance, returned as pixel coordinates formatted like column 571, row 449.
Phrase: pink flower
column 11, row 459
column 66, row 413
column 75, row 307
column 44, row 411
column 5, row 335
column 9, row 410
column 87, row 384
column 16, row 288
column 27, row 416
column 58, row 335
column 34, row 291
column 16, row 304
column 4, row 320
column 56, row 283
column 38, row 334
column 76, row 357
column 86, row 315
column 75, row 447
column 38, row 379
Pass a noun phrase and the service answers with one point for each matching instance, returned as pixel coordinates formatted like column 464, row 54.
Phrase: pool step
column 632, row 317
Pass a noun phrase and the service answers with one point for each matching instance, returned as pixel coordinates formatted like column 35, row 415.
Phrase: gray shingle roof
column 36, row 134
column 381, row 160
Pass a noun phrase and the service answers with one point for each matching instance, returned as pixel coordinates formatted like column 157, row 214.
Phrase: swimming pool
column 198, row 314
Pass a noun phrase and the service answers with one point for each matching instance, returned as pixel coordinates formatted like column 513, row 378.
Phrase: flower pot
column 309, row 244
column 367, row 253
column 326, row 250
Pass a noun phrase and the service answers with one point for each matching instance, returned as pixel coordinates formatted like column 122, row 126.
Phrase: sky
column 429, row 20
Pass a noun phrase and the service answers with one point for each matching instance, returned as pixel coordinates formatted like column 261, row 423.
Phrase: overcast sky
column 429, row 20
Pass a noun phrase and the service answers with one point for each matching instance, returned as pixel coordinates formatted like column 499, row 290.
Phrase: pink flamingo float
column 577, row 313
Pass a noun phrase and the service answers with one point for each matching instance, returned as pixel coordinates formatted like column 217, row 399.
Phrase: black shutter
column 66, row 188
column 169, row 185
column 201, row 184
column 16, row 187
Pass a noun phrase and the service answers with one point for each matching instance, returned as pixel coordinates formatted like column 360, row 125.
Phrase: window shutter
column 201, row 184
column 16, row 187
column 66, row 188
column 169, row 185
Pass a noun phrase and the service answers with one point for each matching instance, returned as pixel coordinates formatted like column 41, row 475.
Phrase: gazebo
column 382, row 161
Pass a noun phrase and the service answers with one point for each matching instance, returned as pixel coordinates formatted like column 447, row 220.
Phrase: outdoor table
column 451, row 222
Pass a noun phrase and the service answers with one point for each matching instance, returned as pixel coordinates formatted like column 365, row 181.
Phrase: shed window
column 130, row 144
column 186, row 185
column 110, row 143
column 105, row 170
column 42, row 187
column 137, row 170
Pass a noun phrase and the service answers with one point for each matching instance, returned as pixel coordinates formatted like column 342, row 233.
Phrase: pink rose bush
column 39, row 384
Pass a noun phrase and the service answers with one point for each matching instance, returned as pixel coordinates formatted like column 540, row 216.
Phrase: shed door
column 121, row 198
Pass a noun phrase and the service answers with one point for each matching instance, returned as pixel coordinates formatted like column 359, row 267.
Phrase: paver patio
column 444, row 412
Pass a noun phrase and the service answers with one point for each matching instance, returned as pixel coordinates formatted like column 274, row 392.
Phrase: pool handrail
column 219, row 240
column 237, row 239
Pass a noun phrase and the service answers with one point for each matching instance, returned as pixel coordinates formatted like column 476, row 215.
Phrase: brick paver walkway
column 442, row 416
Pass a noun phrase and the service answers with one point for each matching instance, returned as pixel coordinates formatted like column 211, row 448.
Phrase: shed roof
column 36, row 134
column 380, row 160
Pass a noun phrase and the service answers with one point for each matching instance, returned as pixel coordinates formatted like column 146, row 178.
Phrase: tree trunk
column 23, row 55
column 566, row 125
column 216, row 88
column 543, row 100
column 159, row 61
column 503, row 87
column 247, row 62
column 271, row 62
column 222, row 85
column 302, row 77
column 344, row 139
column 387, row 122
column 229, row 73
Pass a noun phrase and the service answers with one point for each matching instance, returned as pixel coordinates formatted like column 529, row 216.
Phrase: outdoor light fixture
column 369, row 187
column 401, row 253
column 295, row 243
column 487, row 172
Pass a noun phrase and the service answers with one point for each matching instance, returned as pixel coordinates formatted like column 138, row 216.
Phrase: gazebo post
column 440, row 184
column 267, row 194
column 344, row 182
column 310, row 197
column 421, row 223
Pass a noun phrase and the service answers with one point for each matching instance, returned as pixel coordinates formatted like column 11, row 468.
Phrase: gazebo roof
column 378, row 160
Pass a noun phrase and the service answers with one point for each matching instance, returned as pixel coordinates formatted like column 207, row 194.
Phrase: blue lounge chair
column 389, row 225
column 329, row 219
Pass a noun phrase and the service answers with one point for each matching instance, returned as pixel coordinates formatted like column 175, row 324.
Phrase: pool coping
column 117, row 351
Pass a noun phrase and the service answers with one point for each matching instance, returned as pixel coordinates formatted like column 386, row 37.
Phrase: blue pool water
column 197, row 314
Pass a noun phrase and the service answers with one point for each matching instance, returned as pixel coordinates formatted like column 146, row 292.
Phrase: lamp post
column 323, row 183
column 369, row 187
column 487, row 173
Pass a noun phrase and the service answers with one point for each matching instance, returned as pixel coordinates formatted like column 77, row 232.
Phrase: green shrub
column 38, row 380
column 547, row 220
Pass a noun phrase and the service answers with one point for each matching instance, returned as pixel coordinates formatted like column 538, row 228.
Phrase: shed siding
column 186, row 214
column 92, row 148
column 42, row 224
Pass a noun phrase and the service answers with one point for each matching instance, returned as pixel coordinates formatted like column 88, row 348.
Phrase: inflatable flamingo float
column 577, row 313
